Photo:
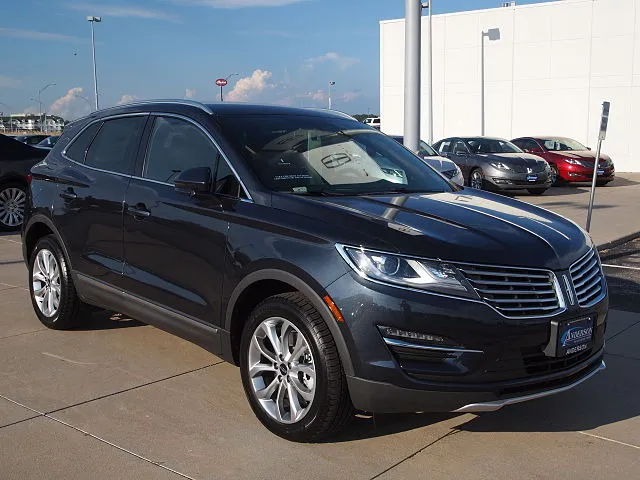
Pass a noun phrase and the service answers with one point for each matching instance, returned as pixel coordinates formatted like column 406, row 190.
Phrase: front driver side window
column 175, row 146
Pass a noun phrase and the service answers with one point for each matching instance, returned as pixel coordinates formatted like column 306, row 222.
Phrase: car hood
column 524, row 159
column 440, row 163
column 464, row 226
column 582, row 154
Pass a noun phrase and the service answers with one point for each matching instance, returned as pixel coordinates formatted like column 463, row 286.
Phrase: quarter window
column 115, row 146
column 226, row 181
column 78, row 149
column 176, row 146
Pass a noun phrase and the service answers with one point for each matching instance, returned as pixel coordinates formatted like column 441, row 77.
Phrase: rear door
column 89, row 204
column 174, row 243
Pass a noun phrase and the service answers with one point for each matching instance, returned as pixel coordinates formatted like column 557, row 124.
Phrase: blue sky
column 286, row 51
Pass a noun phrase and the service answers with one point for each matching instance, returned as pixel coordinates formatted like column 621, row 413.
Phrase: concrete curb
column 618, row 241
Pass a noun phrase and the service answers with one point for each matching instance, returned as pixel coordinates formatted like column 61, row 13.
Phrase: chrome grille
column 514, row 292
column 586, row 276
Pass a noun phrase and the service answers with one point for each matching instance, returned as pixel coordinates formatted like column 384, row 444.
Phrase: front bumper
column 576, row 173
column 507, row 180
column 501, row 360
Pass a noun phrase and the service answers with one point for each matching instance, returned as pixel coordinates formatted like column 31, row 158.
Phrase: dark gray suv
column 496, row 164
column 326, row 260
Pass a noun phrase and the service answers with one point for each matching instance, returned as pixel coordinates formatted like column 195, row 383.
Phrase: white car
column 373, row 122
column 443, row 165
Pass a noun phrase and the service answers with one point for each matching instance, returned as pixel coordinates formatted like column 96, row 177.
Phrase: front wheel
column 476, row 180
column 554, row 176
column 536, row 191
column 291, row 370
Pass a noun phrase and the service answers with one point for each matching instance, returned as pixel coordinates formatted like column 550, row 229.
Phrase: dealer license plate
column 575, row 336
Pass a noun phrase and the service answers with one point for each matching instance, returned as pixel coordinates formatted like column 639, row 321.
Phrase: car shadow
column 106, row 320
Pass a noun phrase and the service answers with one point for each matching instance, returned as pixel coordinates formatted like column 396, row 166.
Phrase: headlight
column 573, row 161
column 500, row 165
column 420, row 274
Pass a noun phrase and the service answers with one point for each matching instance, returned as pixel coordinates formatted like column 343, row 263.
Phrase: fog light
column 424, row 338
column 571, row 174
column 501, row 181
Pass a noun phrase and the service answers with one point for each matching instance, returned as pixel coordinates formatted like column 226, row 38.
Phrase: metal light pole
column 226, row 80
column 604, row 121
column 331, row 84
column 430, row 70
column 40, row 105
column 491, row 34
column 412, row 29
column 92, row 20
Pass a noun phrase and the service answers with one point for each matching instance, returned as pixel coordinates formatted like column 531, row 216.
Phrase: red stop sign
column 221, row 82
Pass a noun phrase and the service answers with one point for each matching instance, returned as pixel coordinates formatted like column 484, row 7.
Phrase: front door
column 174, row 243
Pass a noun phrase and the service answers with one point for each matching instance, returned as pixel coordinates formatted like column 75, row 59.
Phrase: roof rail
column 191, row 103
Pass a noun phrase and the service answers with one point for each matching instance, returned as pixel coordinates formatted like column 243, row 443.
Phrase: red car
column 570, row 161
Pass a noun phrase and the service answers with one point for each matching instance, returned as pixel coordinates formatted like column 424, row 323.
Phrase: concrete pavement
column 119, row 399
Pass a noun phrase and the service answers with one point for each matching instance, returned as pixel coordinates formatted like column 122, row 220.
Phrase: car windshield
column 313, row 155
column 562, row 144
column 491, row 145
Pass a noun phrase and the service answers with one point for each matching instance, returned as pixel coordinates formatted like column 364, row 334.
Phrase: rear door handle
column 69, row 194
column 139, row 211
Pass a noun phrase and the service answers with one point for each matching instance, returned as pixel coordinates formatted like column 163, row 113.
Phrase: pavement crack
column 66, row 359
column 623, row 330
column 450, row 433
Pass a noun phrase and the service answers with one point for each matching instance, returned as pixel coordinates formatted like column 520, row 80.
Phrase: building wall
column 548, row 74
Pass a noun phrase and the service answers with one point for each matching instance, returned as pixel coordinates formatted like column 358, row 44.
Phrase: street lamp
column 40, row 105
column 430, row 70
column 226, row 81
column 92, row 20
column 331, row 84
column 492, row 34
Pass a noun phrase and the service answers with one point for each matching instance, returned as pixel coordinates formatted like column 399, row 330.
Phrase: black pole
column 221, row 94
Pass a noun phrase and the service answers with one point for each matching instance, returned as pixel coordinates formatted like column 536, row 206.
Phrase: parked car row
column 531, row 163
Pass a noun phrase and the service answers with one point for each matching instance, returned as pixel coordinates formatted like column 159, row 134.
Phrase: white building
column 548, row 74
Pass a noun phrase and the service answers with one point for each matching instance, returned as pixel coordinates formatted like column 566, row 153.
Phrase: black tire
column 331, row 407
column 536, row 191
column 477, row 172
column 7, row 220
column 70, row 309
column 558, row 179
column 602, row 183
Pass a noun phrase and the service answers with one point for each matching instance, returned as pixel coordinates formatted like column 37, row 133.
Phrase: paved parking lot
column 119, row 399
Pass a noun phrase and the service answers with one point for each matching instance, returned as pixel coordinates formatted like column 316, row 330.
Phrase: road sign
column 604, row 121
column 221, row 82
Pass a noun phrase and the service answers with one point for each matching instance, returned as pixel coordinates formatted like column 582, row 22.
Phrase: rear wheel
column 53, row 294
column 13, row 197
column 536, row 191
column 476, row 179
column 291, row 370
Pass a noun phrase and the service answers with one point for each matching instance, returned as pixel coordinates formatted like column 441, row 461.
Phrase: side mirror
column 196, row 180
column 588, row 148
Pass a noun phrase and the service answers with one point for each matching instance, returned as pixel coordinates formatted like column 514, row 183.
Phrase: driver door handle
column 138, row 211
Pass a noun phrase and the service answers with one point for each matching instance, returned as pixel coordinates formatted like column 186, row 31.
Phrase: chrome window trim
column 215, row 143
column 249, row 198
column 562, row 306
column 400, row 343
column 174, row 101
column 102, row 119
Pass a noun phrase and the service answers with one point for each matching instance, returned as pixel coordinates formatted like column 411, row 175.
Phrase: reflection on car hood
column 440, row 163
column 465, row 226
column 525, row 159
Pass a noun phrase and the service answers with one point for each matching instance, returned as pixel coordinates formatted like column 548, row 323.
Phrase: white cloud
column 70, row 105
column 33, row 35
column 238, row 3
column 189, row 93
column 8, row 82
column 349, row 96
column 123, row 11
column 126, row 98
column 247, row 87
column 342, row 62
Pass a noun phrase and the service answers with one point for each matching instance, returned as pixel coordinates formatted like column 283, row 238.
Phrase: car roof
column 221, row 109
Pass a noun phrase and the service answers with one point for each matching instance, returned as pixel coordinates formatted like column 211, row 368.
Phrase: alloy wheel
column 282, row 370
column 12, row 202
column 477, row 180
column 46, row 283
column 553, row 175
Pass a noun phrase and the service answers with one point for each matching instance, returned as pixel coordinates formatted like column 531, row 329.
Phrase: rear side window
column 176, row 146
column 78, row 149
column 115, row 146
